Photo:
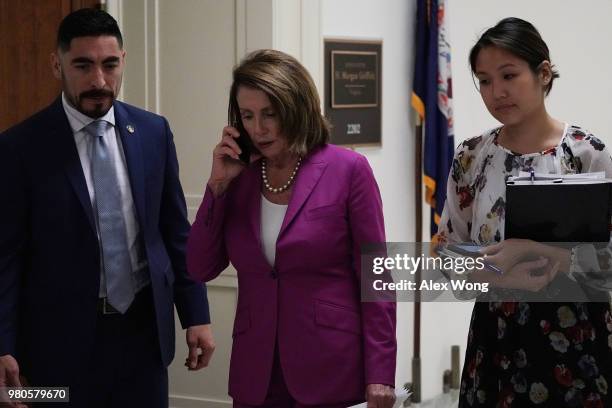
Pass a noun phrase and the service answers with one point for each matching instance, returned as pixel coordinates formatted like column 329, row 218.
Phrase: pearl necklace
column 276, row 190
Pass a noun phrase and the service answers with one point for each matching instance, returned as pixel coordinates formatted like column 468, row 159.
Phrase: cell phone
column 472, row 251
column 466, row 249
column 244, row 142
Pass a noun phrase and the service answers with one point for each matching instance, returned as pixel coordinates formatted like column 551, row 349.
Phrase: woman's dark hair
column 87, row 22
column 520, row 38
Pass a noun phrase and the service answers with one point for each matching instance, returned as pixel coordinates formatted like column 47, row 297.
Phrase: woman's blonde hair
column 292, row 92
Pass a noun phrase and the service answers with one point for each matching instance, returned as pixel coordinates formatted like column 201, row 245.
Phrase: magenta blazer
column 330, row 343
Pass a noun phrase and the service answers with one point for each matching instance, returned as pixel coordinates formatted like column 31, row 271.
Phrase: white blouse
column 272, row 216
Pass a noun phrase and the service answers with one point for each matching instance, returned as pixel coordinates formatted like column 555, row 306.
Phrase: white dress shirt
column 84, row 144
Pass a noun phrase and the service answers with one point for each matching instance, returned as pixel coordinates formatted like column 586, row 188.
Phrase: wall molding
column 241, row 29
column 296, row 28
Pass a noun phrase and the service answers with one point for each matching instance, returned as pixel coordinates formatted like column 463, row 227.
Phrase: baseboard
column 182, row 401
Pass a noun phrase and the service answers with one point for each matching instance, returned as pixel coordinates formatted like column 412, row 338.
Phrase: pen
column 494, row 268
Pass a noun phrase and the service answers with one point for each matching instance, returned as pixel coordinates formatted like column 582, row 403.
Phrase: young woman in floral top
column 523, row 354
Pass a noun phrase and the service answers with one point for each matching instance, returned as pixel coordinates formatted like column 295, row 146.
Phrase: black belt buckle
column 106, row 308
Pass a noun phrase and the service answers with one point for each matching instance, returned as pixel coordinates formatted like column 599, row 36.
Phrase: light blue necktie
column 111, row 224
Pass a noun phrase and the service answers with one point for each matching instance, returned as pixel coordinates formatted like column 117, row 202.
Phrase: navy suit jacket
column 49, row 253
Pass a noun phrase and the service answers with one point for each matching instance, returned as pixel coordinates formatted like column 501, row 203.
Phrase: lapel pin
column 130, row 128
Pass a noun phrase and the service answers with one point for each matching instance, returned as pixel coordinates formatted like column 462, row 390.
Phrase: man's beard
column 100, row 109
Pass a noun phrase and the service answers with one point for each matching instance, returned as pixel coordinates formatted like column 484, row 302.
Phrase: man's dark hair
column 519, row 37
column 87, row 22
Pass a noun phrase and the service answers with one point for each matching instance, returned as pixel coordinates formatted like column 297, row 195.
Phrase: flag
column 432, row 99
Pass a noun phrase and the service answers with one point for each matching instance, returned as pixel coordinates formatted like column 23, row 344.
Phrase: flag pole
column 434, row 146
column 416, row 355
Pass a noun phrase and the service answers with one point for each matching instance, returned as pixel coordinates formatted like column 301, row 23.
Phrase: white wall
column 578, row 35
column 390, row 21
column 442, row 324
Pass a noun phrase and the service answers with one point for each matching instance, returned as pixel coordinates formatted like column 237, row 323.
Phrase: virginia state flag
column 431, row 98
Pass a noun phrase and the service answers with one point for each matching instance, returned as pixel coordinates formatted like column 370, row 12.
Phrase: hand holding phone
column 227, row 164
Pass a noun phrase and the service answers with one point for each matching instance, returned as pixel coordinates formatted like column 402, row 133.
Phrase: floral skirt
column 538, row 354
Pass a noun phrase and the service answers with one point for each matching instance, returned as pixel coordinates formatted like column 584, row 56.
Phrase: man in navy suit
column 93, row 229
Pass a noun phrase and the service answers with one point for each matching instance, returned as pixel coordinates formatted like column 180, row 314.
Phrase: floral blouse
column 476, row 190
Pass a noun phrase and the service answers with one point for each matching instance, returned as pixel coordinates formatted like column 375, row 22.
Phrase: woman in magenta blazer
column 292, row 222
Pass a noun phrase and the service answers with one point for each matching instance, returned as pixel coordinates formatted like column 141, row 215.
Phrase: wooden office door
column 28, row 31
